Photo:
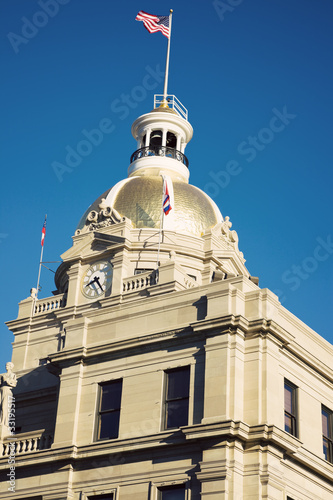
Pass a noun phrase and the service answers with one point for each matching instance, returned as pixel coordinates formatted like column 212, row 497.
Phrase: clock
column 97, row 279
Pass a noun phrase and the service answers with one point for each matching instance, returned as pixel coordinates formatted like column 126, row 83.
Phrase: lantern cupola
column 162, row 136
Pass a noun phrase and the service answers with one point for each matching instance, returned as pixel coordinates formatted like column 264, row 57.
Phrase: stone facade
column 103, row 409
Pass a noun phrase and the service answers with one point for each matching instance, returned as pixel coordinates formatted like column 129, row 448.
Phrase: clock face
column 97, row 280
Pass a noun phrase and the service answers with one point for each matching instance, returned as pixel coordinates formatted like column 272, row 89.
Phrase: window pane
column 178, row 383
column 109, row 425
column 102, row 497
column 177, row 413
column 288, row 398
column 325, row 448
column 288, row 424
column 173, row 493
column 111, row 396
column 325, row 420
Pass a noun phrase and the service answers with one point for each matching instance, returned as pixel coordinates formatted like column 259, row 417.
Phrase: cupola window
column 156, row 138
column 171, row 141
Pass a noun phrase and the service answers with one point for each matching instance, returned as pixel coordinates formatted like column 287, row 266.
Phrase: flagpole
column 161, row 225
column 40, row 263
column 165, row 92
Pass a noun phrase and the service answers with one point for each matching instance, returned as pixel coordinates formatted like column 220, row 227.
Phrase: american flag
column 166, row 200
column 154, row 23
column 43, row 233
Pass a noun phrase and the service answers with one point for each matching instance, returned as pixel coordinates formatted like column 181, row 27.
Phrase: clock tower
column 159, row 369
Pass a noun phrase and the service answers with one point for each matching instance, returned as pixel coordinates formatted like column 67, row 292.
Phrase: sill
column 291, row 434
column 101, row 440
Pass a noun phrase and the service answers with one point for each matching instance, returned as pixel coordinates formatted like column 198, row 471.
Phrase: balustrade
column 159, row 151
column 27, row 443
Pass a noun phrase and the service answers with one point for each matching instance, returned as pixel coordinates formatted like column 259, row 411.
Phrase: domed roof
column 139, row 198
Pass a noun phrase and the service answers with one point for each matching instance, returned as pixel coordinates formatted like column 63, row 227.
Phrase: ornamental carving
column 7, row 383
column 223, row 229
column 231, row 236
column 104, row 217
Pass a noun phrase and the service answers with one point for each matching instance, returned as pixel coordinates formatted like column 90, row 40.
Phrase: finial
column 171, row 11
column 164, row 103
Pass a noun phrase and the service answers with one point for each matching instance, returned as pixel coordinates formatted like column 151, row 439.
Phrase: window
column 290, row 403
column 327, row 423
column 172, row 493
column 171, row 140
column 142, row 270
column 109, row 409
column 177, row 397
column 156, row 138
column 108, row 496
column 34, row 498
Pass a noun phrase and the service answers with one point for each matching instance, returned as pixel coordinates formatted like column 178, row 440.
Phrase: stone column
column 178, row 144
column 164, row 137
column 148, row 132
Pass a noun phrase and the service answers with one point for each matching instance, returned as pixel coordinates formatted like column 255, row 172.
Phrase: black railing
column 160, row 151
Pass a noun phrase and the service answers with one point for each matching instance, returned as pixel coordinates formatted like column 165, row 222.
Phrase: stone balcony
column 27, row 442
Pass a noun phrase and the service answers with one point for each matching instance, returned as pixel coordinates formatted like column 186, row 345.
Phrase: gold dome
column 140, row 200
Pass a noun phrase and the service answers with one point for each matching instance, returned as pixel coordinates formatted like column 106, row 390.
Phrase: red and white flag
column 43, row 233
column 166, row 199
column 154, row 23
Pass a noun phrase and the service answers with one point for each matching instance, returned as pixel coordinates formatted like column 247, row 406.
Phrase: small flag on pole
column 43, row 233
column 166, row 200
column 154, row 23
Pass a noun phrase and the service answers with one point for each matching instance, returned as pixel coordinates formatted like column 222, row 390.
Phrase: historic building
column 160, row 370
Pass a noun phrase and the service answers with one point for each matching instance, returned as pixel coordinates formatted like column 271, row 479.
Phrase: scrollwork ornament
column 92, row 216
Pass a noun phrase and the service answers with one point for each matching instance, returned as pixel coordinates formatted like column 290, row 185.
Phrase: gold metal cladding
column 164, row 108
column 140, row 200
column 164, row 104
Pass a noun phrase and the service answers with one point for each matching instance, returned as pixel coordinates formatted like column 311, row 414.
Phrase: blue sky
column 257, row 80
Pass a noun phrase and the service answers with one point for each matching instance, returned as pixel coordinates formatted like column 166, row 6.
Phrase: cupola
column 162, row 136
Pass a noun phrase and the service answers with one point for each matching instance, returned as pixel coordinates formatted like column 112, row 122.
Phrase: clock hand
column 93, row 281
column 98, row 283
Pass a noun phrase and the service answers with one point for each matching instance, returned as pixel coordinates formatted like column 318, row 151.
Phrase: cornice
column 223, row 433
column 112, row 349
column 264, row 328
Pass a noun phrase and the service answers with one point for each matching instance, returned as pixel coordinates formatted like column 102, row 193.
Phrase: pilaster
column 253, row 381
column 76, row 332
column 121, row 264
column 214, row 474
column 73, row 283
column 68, row 406
column 216, row 396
